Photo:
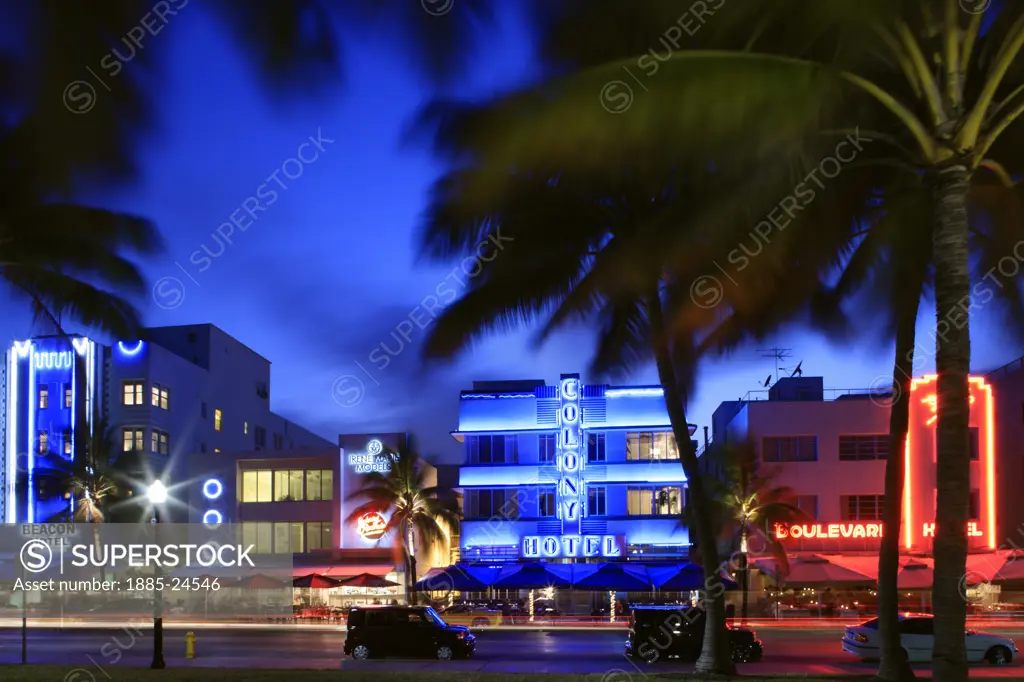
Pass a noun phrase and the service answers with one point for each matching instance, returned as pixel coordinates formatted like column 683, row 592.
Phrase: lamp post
column 157, row 494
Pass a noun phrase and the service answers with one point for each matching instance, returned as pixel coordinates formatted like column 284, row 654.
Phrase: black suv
column 658, row 632
column 375, row 631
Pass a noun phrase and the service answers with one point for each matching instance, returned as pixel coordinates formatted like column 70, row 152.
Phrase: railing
column 1008, row 368
column 827, row 394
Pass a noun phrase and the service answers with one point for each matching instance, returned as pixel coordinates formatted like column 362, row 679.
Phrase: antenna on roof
column 798, row 372
column 768, row 381
column 778, row 354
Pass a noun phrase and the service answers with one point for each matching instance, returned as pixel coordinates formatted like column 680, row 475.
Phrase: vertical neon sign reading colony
column 571, row 492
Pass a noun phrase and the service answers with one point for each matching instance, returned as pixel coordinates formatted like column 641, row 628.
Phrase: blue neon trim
column 134, row 351
column 212, row 513
column 490, row 396
column 217, row 489
column 634, row 393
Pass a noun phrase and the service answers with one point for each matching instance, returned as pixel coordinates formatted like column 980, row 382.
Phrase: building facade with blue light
column 181, row 390
column 569, row 473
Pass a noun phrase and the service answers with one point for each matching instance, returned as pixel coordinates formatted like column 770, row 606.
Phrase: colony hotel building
column 569, row 472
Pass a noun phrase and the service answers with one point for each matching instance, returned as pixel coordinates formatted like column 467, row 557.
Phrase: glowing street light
column 157, row 492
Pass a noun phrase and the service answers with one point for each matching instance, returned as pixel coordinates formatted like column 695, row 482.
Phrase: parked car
column 659, row 632
column 917, row 637
column 475, row 615
column 377, row 631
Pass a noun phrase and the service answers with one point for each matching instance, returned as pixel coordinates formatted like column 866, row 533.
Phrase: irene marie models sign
column 572, row 546
column 373, row 460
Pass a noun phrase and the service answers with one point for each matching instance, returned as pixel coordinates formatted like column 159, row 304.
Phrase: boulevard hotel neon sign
column 571, row 492
column 855, row 530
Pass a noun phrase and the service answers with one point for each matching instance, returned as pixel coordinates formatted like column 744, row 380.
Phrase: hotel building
column 569, row 473
column 180, row 390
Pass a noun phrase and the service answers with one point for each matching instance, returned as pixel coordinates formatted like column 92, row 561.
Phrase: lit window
column 67, row 397
column 216, row 449
column 161, row 397
column 258, row 534
column 318, row 535
column 668, row 501
column 132, row 393
column 133, row 439
column 44, row 442
column 288, row 485
column 245, row 428
column 258, row 486
column 319, row 484
column 288, row 538
column 160, row 442
column 217, row 418
column 67, row 441
column 651, row 446
column 44, row 397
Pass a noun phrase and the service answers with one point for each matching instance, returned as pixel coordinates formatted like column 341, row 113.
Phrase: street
column 814, row 650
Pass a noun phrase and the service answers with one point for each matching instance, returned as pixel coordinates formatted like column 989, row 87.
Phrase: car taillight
column 460, row 635
column 861, row 638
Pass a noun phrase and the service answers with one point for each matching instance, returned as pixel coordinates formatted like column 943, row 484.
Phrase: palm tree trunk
column 715, row 656
column 952, row 473
column 744, row 573
column 409, row 550
column 893, row 665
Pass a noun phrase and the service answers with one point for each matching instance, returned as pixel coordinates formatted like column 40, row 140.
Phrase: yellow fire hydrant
column 190, row 645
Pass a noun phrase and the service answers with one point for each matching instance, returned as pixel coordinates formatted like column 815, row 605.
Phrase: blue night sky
column 330, row 270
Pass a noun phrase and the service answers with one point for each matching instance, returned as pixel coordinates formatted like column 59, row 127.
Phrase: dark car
column 376, row 631
column 659, row 632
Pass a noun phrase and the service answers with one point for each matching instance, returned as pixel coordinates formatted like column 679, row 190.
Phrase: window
column 917, row 626
column 245, row 428
column 975, row 444
column 278, row 441
column 648, row 446
column 44, row 442
column 132, row 393
column 44, row 397
column 288, row 538
column 261, row 438
column 257, row 486
column 216, row 449
column 67, row 441
column 288, row 485
column 260, row 535
column 202, row 409
column 493, row 449
column 218, row 417
column 595, row 447
column 808, row 504
column 67, row 397
column 132, row 439
column 493, row 503
column 318, row 535
column 668, row 501
column 546, row 502
column 790, row 449
column 161, row 397
column 861, row 507
column 319, row 484
column 160, row 441
column 596, row 498
column 638, row 501
column 865, row 447
column 975, row 508
column 202, row 447
column 546, row 448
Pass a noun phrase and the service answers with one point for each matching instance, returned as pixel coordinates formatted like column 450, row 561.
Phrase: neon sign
column 932, row 401
column 126, row 350
column 572, row 546
column 60, row 359
column 372, row 525
column 571, row 490
column 828, row 531
column 212, row 489
column 928, row 530
column 374, row 460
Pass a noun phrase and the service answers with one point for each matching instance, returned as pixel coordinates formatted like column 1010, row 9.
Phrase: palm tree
column 747, row 500
column 936, row 87
column 417, row 511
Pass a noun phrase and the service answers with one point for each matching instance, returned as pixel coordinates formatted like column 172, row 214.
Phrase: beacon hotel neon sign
column 571, row 492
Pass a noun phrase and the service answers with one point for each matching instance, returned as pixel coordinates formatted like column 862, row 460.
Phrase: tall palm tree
column 748, row 500
column 417, row 511
column 938, row 88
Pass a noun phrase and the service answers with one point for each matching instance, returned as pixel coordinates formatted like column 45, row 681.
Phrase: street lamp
column 157, row 495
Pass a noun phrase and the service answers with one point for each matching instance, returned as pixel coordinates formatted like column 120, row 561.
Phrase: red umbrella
column 914, row 575
column 315, row 581
column 367, row 580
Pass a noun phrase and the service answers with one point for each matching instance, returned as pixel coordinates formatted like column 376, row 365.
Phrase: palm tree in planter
column 418, row 512
column 746, row 500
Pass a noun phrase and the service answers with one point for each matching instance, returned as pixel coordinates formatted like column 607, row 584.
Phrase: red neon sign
column 928, row 530
column 372, row 525
column 828, row 531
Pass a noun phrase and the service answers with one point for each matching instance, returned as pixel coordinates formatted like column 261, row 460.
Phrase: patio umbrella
column 457, row 579
column 999, row 566
column 815, row 570
column 367, row 580
column 914, row 575
column 533, row 575
column 612, row 576
column 315, row 581
column 682, row 578
column 259, row 582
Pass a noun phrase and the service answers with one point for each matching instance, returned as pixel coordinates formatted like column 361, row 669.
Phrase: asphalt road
column 89, row 652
